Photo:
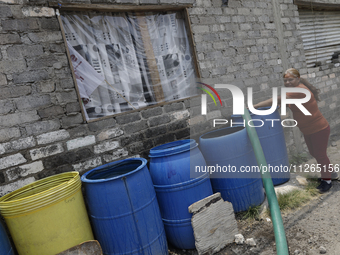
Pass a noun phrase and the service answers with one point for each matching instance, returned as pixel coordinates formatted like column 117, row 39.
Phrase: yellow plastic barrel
column 47, row 216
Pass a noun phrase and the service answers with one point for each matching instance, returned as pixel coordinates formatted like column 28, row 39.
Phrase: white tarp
column 87, row 78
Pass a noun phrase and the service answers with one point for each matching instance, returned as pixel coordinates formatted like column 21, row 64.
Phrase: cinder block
column 10, row 38
column 31, row 102
column 67, row 97
column 42, row 127
column 138, row 126
column 108, row 134
column 15, row 185
column 47, row 151
column 128, row 1
column 168, row 1
column 116, row 155
column 68, row 158
column 214, row 224
column 197, row 11
column 153, row 132
column 20, row 51
column 78, row 131
column 59, row 48
column 30, row 76
column 9, row 133
column 214, row 11
column 6, row 106
column 159, row 141
column 16, row 11
column 159, row 120
column 200, row 29
column 38, row 11
column 72, row 121
column 173, row 107
column 245, row 26
column 41, row 62
column 128, row 118
column 45, row 37
column 105, row 146
column 54, row 136
column 21, row 25
column 46, row 86
column 207, row 20
column 24, row 170
column 101, row 125
column 148, row 1
column 180, row 115
column 3, row 80
column 12, row 160
column 5, row 12
column 18, row 118
column 81, row 142
column 51, row 111
column 87, row 165
column 186, row 1
column 12, row 66
column 18, row 145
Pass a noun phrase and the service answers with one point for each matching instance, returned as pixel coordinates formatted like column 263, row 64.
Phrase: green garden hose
column 279, row 231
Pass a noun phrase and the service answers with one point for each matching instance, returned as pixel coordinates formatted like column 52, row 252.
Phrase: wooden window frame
column 135, row 9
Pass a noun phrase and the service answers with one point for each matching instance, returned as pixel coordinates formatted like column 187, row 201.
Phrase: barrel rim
column 27, row 187
column 112, row 164
column 219, row 130
column 179, row 146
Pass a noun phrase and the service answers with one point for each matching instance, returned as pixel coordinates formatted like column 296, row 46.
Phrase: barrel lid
column 172, row 148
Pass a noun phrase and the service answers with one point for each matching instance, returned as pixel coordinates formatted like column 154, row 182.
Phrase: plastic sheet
column 125, row 61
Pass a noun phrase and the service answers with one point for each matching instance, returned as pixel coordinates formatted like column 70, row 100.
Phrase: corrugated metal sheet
column 320, row 32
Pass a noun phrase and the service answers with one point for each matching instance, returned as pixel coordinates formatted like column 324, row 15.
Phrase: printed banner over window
column 124, row 62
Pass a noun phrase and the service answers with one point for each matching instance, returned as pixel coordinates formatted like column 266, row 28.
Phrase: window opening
column 127, row 61
column 320, row 32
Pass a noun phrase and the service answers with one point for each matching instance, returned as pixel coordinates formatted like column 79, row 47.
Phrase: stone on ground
column 239, row 239
column 251, row 242
column 214, row 224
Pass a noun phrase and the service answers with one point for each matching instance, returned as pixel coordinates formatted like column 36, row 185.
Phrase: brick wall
column 41, row 128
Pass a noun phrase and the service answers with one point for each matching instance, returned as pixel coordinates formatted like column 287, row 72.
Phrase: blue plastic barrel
column 236, row 175
column 5, row 245
column 273, row 144
column 123, row 208
column 172, row 168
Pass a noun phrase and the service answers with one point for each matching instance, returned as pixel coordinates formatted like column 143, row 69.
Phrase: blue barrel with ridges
column 5, row 245
column 230, row 149
column 273, row 144
column 172, row 168
column 123, row 208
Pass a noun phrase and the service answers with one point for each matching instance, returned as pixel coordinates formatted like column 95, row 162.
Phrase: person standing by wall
column 315, row 127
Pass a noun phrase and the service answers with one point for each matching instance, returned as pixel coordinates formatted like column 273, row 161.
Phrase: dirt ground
column 311, row 229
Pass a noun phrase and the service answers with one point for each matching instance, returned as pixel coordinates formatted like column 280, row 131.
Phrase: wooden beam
column 150, row 58
column 116, row 8
column 82, row 107
column 192, row 43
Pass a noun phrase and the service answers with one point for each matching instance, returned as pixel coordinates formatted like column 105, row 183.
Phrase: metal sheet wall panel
column 320, row 32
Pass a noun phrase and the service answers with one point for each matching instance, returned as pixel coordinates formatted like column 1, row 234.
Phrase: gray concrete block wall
column 42, row 131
